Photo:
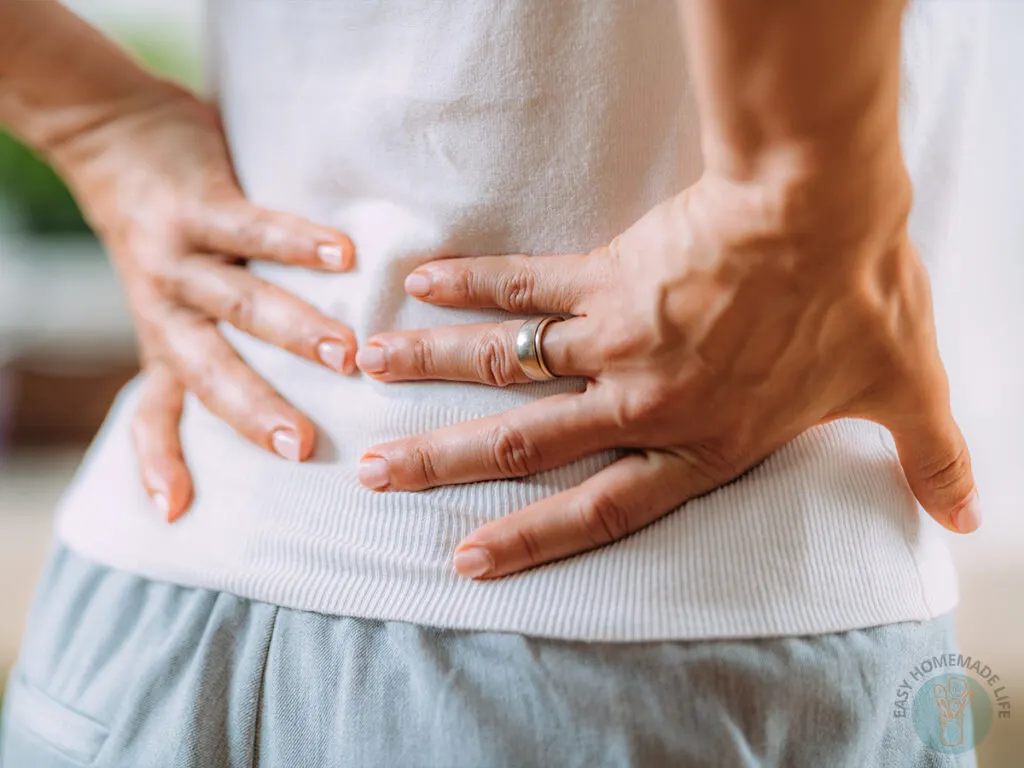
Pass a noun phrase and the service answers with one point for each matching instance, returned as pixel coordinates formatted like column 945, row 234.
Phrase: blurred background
column 66, row 342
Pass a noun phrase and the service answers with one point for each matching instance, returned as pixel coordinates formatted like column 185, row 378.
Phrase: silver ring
column 529, row 350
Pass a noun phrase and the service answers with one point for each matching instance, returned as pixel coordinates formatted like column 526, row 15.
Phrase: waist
column 820, row 537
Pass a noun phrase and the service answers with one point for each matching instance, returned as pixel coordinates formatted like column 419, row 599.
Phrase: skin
column 148, row 162
column 779, row 292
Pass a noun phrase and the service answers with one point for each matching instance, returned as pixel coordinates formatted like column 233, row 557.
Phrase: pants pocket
column 41, row 732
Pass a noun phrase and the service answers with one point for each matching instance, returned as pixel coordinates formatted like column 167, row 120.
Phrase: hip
column 119, row 670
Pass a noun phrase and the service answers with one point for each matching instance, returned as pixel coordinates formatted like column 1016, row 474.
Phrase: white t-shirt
column 443, row 128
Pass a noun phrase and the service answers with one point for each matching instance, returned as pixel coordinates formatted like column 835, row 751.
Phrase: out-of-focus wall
column 62, row 314
column 65, row 338
column 980, row 317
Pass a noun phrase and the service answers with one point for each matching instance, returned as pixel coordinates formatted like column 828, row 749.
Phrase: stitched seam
column 254, row 749
column 30, row 705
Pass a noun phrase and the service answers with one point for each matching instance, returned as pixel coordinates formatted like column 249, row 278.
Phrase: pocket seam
column 61, row 728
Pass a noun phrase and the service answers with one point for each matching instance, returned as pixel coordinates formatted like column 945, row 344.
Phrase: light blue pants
column 117, row 670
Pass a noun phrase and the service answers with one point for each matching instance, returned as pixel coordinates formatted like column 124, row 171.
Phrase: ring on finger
column 529, row 347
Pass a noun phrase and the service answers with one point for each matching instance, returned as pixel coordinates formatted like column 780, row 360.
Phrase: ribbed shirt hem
column 824, row 536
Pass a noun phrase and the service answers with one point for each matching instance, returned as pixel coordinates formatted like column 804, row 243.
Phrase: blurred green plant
column 40, row 202
column 38, row 199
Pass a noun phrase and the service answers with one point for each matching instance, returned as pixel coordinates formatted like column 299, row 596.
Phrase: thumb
column 937, row 463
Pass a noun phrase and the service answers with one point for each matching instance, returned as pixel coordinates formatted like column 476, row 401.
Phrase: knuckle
column 201, row 383
column 163, row 279
column 639, row 406
column 621, row 339
column 174, row 335
column 513, row 453
column 239, row 309
column 604, row 519
column 422, row 460
column 720, row 457
column 254, row 235
column 530, row 546
column 200, row 376
column 492, row 363
column 149, row 269
column 716, row 461
column 516, row 290
column 423, row 361
column 946, row 473
column 461, row 283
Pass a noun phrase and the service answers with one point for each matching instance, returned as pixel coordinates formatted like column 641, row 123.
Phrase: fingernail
column 286, row 443
column 473, row 562
column 161, row 502
column 373, row 473
column 334, row 355
column 968, row 519
column 372, row 359
column 331, row 254
column 417, row 284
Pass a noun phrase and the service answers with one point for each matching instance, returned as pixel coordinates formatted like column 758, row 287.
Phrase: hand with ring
column 711, row 332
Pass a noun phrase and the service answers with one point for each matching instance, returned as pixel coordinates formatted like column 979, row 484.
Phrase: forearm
column 803, row 96
column 60, row 78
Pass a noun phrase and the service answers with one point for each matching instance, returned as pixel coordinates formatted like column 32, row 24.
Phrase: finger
column 523, row 441
column 210, row 368
column 234, row 295
column 483, row 353
column 518, row 283
column 620, row 499
column 158, row 444
column 937, row 464
column 239, row 228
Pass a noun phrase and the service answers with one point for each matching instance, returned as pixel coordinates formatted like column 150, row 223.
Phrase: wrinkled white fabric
column 438, row 128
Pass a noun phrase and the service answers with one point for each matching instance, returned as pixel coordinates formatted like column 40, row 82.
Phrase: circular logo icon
column 952, row 713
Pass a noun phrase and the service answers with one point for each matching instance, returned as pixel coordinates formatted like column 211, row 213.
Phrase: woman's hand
column 157, row 185
column 719, row 327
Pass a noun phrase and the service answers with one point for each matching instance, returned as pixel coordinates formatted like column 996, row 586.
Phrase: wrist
column 122, row 154
column 61, row 77
column 799, row 103
column 836, row 191
column 80, row 134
